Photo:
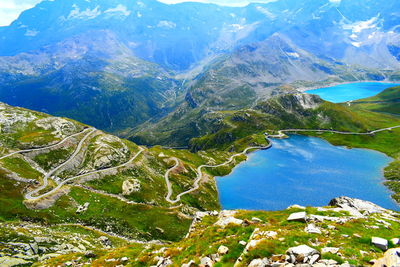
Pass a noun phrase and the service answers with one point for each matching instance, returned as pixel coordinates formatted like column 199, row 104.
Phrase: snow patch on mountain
column 266, row 12
column 31, row 33
column 166, row 24
column 76, row 13
column 359, row 26
column 119, row 9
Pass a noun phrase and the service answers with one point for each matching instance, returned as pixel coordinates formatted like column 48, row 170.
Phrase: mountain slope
column 92, row 78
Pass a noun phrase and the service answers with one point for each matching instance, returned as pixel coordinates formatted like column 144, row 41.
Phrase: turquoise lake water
column 306, row 171
column 352, row 91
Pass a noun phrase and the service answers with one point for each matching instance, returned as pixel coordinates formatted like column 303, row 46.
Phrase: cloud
column 11, row 9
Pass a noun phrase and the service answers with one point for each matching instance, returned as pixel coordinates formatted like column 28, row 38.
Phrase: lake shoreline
column 265, row 174
column 306, row 89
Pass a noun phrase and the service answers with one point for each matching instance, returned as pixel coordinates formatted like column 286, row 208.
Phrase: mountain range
column 128, row 67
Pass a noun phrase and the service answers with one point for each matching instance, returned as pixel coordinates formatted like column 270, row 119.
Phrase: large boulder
column 303, row 254
column 298, row 216
column 380, row 243
column 356, row 207
column 259, row 263
column 391, row 258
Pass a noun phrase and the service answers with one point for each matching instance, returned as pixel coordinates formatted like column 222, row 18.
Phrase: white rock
column 222, row 250
column 226, row 218
column 395, row 241
column 391, row 258
column 207, row 262
column 330, row 250
column 189, row 264
column 255, row 219
column 83, row 208
column 310, row 255
column 298, row 216
column 312, row 229
column 243, row 243
column 259, row 263
column 380, row 243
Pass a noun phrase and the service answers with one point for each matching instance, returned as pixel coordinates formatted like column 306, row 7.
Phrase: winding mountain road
column 45, row 147
column 29, row 195
column 50, row 173
column 200, row 173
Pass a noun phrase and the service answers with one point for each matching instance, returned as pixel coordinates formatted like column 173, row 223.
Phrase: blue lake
column 306, row 171
column 352, row 91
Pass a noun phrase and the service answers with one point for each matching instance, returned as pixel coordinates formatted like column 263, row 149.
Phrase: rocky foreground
column 349, row 232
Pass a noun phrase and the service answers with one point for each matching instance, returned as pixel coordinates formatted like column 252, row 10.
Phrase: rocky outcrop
column 227, row 217
column 130, row 186
column 61, row 127
column 356, row 207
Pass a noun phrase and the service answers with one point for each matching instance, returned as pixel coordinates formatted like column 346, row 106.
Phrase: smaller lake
column 352, row 91
column 307, row 171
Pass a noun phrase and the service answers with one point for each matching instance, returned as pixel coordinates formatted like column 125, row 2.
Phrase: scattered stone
column 189, row 264
column 380, row 243
column 105, row 241
column 83, row 208
column 312, row 229
column 207, row 262
column 243, row 243
column 124, row 259
column 303, row 254
column 298, row 216
column 259, row 263
column 279, row 258
column 329, row 250
column 222, row 250
column 391, row 258
column 130, row 186
column 163, row 262
column 395, row 241
column 256, row 220
column 90, row 254
column 328, row 262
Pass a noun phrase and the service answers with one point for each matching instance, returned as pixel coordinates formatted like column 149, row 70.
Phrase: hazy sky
column 10, row 9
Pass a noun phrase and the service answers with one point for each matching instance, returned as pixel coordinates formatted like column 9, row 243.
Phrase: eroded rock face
column 356, row 207
column 130, row 186
column 10, row 117
column 62, row 127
